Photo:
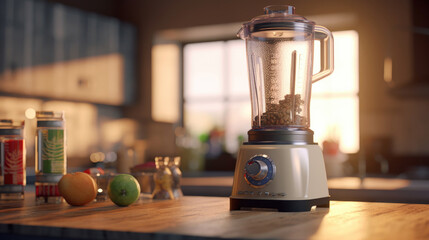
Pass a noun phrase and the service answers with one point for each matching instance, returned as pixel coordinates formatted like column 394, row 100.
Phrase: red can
column 14, row 172
column 12, row 160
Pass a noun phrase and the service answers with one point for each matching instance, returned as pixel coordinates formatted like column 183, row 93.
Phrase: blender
column 281, row 167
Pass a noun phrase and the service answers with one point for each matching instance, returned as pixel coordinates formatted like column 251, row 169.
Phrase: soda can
column 51, row 158
column 12, row 159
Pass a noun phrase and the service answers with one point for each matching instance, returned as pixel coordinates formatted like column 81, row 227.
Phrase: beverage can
column 13, row 162
column 52, row 150
column 51, row 156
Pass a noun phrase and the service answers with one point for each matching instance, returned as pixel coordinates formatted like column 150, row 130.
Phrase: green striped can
column 52, row 150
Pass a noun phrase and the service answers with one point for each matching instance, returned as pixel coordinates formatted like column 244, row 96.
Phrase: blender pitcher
column 279, row 49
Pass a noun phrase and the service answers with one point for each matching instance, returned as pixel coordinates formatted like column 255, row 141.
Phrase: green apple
column 123, row 189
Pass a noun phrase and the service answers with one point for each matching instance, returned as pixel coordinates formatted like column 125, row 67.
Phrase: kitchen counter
column 343, row 189
column 199, row 217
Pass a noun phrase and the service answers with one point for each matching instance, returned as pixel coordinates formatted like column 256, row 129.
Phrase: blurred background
column 139, row 79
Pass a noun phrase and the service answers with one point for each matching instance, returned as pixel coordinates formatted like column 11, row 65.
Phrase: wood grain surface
column 197, row 217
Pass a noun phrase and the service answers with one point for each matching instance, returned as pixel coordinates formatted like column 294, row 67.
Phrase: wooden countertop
column 333, row 183
column 198, row 217
column 342, row 189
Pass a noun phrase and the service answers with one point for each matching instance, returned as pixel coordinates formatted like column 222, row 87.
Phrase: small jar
column 12, row 160
column 163, row 179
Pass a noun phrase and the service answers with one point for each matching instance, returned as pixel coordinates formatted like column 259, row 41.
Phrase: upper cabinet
column 421, row 40
column 54, row 51
column 406, row 69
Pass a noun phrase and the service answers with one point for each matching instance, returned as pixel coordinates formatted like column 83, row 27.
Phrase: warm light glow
column 165, row 83
column 15, row 108
column 204, row 70
column 82, row 79
column 97, row 157
column 30, row 113
column 334, row 112
column 81, row 125
column 116, row 131
column 388, row 70
column 216, row 90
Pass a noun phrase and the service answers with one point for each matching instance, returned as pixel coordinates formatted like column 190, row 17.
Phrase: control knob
column 256, row 169
column 259, row 171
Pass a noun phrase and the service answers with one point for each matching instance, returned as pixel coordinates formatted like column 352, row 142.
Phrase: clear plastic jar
column 279, row 47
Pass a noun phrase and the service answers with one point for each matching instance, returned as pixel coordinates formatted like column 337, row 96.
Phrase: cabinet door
column 97, row 74
column 128, row 53
column 3, row 11
column 50, row 50
column 14, row 77
column 43, row 50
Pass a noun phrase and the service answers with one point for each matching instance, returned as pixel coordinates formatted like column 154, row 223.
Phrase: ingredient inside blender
column 285, row 113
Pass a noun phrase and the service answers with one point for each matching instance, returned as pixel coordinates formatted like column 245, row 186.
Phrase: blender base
column 286, row 177
column 280, row 205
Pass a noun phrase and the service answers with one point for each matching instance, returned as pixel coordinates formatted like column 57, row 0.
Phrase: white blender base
column 297, row 184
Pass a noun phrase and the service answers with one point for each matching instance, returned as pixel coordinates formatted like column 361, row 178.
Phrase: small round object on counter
column 123, row 190
column 77, row 188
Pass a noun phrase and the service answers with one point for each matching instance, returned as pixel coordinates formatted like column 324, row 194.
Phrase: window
column 165, row 82
column 216, row 91
column 217, row 102
column 334, row 106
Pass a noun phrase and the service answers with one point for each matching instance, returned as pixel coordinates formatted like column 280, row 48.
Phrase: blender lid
column 276, row 18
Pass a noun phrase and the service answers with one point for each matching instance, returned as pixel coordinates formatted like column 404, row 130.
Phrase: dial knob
column 256, row 169
column 259, row 171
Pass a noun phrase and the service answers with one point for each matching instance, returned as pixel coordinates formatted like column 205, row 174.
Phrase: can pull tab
column 326, row 53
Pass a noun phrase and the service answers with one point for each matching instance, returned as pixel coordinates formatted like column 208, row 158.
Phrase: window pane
column 337, row 119
column 203, row 70
column 238, row 83
column 345, row 77
column 165, row 83
column 202, row 117
column 238, row 122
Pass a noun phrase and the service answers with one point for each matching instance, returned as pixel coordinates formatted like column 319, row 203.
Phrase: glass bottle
column 12, row 160
column 174, row 164
column 163, row 179
column 51, row 160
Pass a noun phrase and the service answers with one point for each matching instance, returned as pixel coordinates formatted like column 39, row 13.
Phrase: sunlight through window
column 334, row 107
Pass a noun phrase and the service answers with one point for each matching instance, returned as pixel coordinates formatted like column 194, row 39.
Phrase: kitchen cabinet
column 53, row 51
column 409, row 50
column 209, row 217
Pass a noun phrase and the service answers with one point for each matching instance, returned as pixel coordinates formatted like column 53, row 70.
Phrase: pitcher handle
column 326, row 53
